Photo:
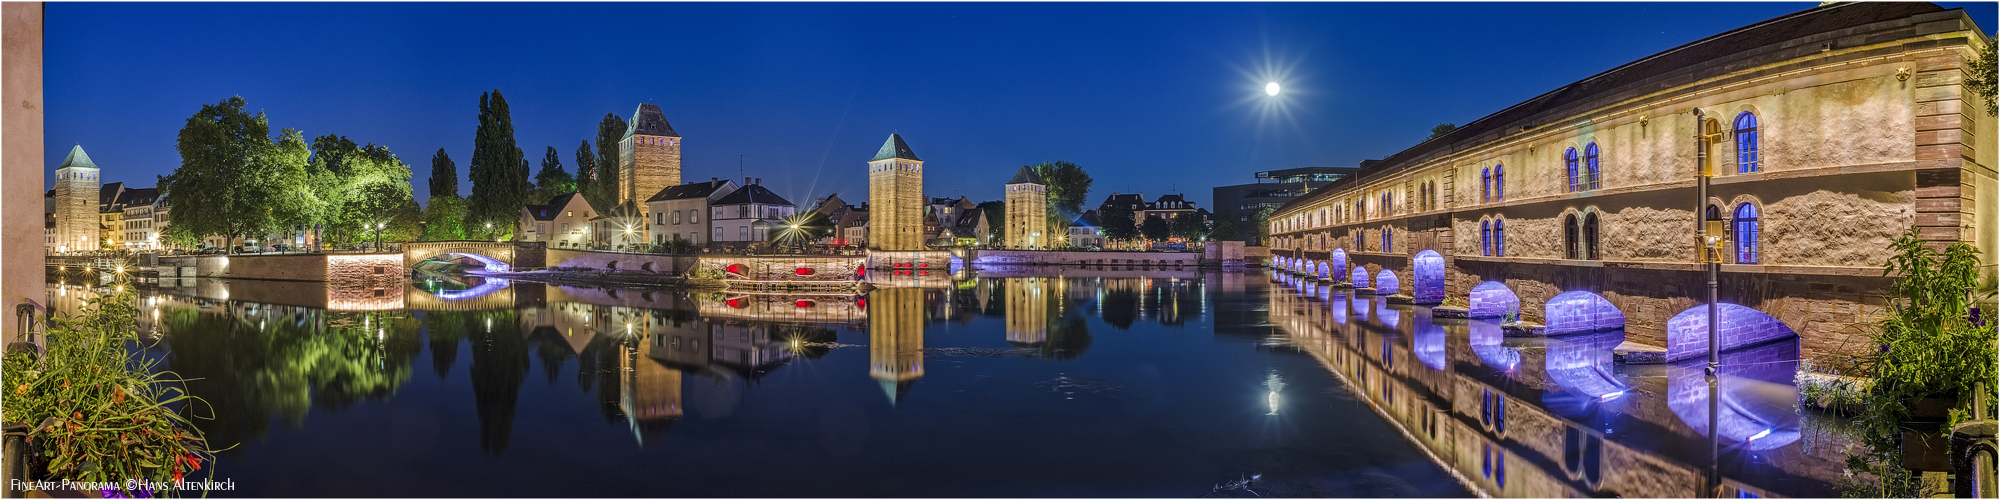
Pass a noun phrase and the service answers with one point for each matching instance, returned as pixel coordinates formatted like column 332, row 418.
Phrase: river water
column 1091, row 383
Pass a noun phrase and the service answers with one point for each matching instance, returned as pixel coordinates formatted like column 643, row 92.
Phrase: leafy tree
column 444, row 175
column 586, row 169
column 1441, row 130
column 296, row 201
column 1225, row 228
column 1118, row 223
column 224, row 185
column 1189, row 226
column 499, row 170
column 610, row 131
column 444, row 219
column 1156, row 229
column 1260, row 224
column 1982, row 79
column 552, row 180
column 996, row 217
column 376, row 190
column 1069, row 187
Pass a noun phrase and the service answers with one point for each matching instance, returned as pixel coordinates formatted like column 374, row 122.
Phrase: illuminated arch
column 1427, row 284
column 1386, row 283
column 1485, row 337
column 1324, row 271
column 1582, row 365
column 1740, row 326
column 1492, row 299
column 1339, row 260
column 1579, row 311
column 1429, row 342
column 1359, row 277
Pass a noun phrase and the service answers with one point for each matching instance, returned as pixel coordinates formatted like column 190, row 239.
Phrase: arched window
column 1423, row 197
column 1746, row 143
column 1485, row 185
column 1590, row 236
column 1387, row 240
column 1746, row 234
column 1500, row 238
column 1570, row 236
column 1569, row 163
column 1499, row 183
column 1486, row 238
column 1592, row 177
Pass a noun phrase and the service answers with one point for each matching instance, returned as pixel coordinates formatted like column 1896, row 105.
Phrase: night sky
column 1154, row 98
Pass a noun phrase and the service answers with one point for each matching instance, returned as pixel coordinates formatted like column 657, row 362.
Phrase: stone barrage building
column 896, row 195
column 75, row 204
column 1027, row 210
column 649, row 157
column 1833, row 131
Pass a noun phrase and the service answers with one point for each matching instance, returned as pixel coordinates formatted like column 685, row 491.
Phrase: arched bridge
column 497, row 255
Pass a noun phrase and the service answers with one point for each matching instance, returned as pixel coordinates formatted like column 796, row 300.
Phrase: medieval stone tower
column 896, row 198
column 1027, row 210
column 895, row 338
column 76, row 203
column 649, row 158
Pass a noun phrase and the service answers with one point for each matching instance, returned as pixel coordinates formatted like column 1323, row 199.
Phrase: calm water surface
column 1090, row 384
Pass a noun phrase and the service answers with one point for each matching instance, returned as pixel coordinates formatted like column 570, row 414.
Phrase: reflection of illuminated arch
column 1687, row 332
column 491, row 264
column 1582, row 365
column 1580, row 312
column 491, row 285
column 1338, row 259
column 1359, row 277
column 1485, row 337
column 1386, row 316
column 1427, row 282
column 1757, row 394
column 1386, row 283
column 1429, row 342
column 1492, row 299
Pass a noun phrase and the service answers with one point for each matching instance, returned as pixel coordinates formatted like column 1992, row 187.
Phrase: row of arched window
column 1493, row 237
column 1745, row 227
column 1585, row 171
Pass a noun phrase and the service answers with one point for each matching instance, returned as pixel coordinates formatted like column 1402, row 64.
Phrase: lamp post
column 378, row 235
column 1707, row 241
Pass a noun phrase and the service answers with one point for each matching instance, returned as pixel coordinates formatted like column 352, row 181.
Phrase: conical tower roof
column 77, row 159
column 895, row 148
column 1026, row 175
column 648, row 120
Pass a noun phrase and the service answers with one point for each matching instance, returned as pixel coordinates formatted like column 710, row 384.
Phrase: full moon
column 1271, row 88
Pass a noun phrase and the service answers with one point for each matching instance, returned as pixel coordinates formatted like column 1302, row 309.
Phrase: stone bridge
column 497, row 255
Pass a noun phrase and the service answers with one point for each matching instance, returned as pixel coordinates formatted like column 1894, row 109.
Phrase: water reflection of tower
column 651, row 394
column 1027, row 310
column 896, row 338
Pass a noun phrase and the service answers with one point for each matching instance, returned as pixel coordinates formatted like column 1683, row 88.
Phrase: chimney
column 760, row 181
column 746, row 181
column 715, row 181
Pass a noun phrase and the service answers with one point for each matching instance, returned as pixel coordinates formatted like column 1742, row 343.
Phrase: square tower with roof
column 649, row 157
column 76, row 203
column 896, row 197
column 1027, row 210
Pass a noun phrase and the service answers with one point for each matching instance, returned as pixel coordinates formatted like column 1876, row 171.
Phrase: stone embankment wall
column 299, row 267
column 1059, row 258
column 619, row 261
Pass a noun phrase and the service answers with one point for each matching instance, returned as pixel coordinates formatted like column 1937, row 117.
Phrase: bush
column 99, row 411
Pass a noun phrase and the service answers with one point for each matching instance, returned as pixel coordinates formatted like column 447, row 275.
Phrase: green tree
column 552, row 180
column 1118, row 223
column 996, row 218
column 499, row 170
column 444, row 175
column 1441, row 130
column 1225, row 228
column 295, row 200
column 224, row 185
column 1156, row 229
column 1069, row 188
column 1981, row 78
column 610, row 131
column 444, row 219
column 1189, row 226
column 1260, row 224
column 586, row 169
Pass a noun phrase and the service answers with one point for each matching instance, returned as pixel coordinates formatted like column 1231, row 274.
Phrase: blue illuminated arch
column 1386, row 284
column 1485, row 337
column 1323, row 271
column 1359, row 277
column 1582, row 365
column 1579, row 311
column 1745, row 233
column 1427, row 282
column 1429, row 342
column 1492, row 299
column 1758, row 396
column 1740, row 326
column 489, row 286
column 1339, row 259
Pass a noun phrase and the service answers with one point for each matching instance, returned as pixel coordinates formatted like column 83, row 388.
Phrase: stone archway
column 1386, row 283
column 1427, row 283
column 1740, row 326
column 1492, row 299
column 1338, row 261
column 1359, row 277
column 1579, row 311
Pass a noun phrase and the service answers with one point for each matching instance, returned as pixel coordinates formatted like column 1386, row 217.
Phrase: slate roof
column 1088, row 219
column 895, row 148
column 752, row 194
column 648, row 120
column 1026, row 175
column 108, row 193
column 77, row 159
column 139, row 196
column 549, row 211
column 689, row 191
column 1133, row 201
column 967, row 224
